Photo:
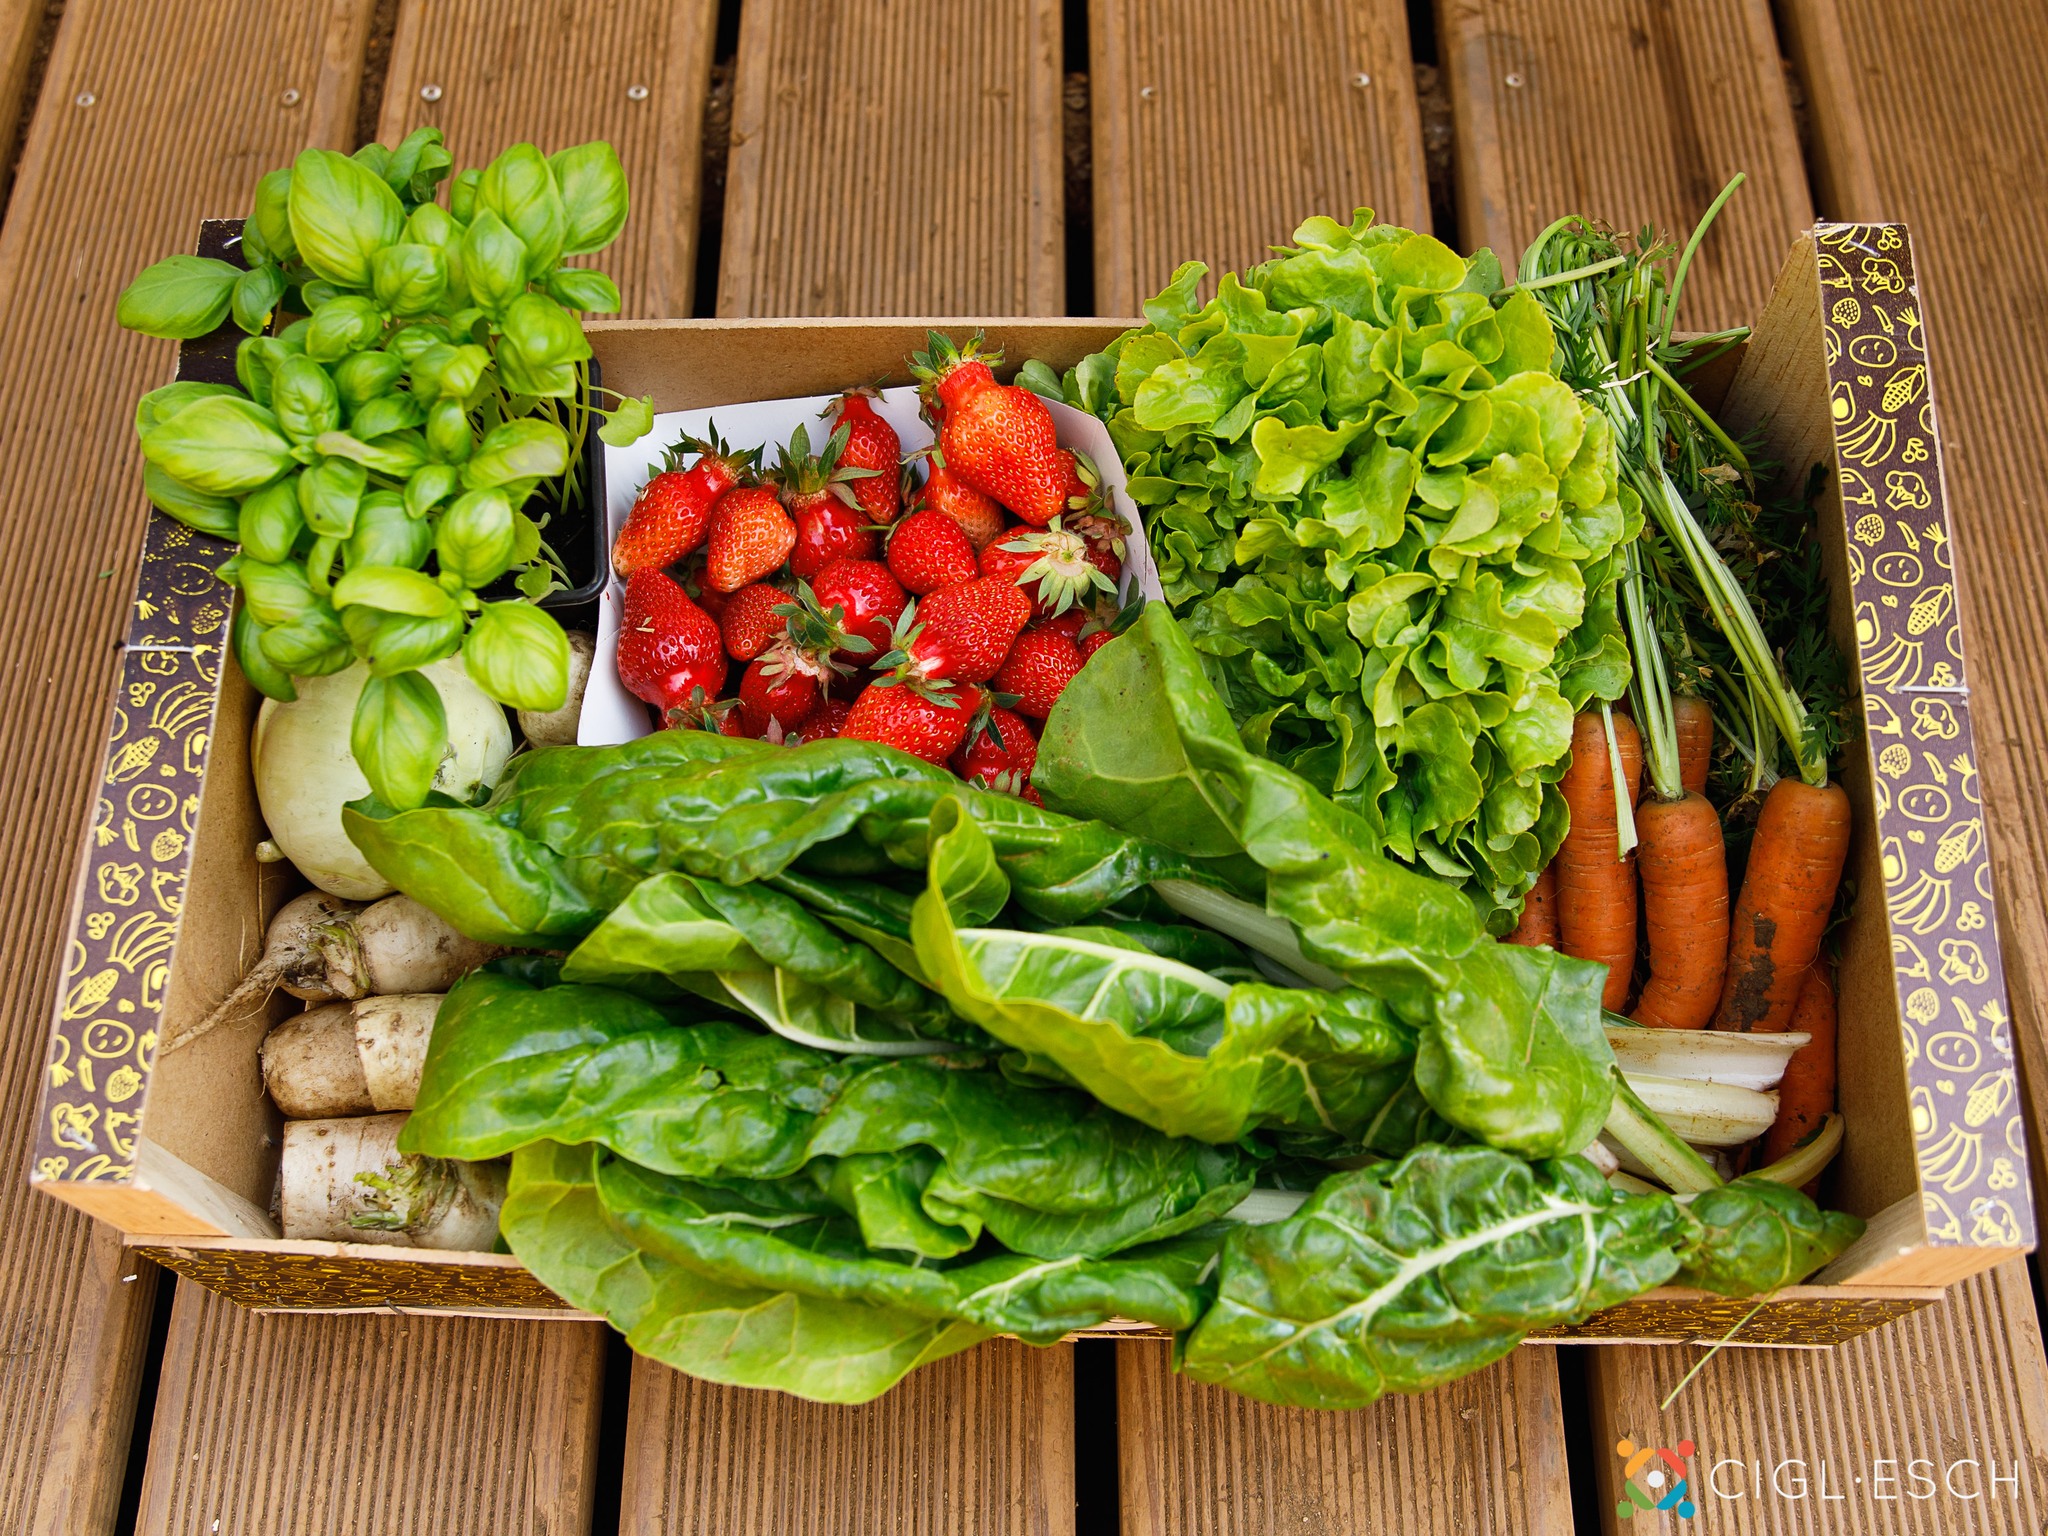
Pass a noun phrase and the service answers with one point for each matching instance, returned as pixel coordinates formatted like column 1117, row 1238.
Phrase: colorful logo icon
column 1658, row 1496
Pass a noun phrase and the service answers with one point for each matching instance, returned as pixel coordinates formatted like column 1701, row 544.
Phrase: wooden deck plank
column 895, row 158
column 1925, row 120
column 1219, row 128
column 19, row 21
column 102, row 189
column 1957, row 1387
column 1483, row 1454
column 982, row 1442
column 376, row 1425
column 561, row 72
column 1627, row 110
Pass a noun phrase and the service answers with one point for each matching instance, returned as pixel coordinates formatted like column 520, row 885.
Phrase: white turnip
column 345, row 1181
column 557, row 727
column 350, row 1058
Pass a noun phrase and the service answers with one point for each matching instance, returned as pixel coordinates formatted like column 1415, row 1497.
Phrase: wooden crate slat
column 982, row 1441
column 1482, row 1454
column 895, row 157
column 1627, row 110
column 1956, row 1382
column 388, row 1424
column 103, row 188
column 1928, row 118
column 560, row 72
column 1219, row 128
column 19, row 20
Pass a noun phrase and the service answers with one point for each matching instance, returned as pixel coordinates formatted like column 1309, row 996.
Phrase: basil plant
column 376, row 465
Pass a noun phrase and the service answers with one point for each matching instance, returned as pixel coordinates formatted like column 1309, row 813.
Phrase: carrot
column 1539, row 913
column 1695, row 721
column 1596, row 886
column 1807, row 1093
column 1684, row 870
column 1788, row 889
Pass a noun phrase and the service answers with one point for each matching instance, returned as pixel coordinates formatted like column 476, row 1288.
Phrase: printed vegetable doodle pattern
column 1957, row 1033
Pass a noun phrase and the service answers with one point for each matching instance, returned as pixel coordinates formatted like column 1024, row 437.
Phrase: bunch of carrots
column 1646, row 852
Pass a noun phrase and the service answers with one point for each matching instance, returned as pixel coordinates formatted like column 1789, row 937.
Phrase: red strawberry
column 1069, row 623
column 898, row 715
column 701, row 714
column 750, row 623
column 872, row 444
column 750, row 535
column 1055, row 568
column 979, row 518
column 830, row 720
column 868, row 601
column 1091, row 643
column 1041, row 664
column 669, row 648
column 669, row 515
column 999, row 438
column 999, row 753
column 960, row 634
column 820, row 493
column 779, row 691
column 928, row 550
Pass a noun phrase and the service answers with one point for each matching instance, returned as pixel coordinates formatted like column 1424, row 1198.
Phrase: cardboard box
column 170, row 905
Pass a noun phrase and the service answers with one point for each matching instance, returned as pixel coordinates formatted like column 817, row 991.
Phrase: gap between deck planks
column 1912, row 119
column 102, row 188
column 1219, row 128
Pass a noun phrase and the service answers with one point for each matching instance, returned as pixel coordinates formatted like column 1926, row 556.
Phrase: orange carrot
column 1596, row 887
column 1539, row 913
column 1807, row 1093
column 1684, row 869
column 1695, row 721
column 1788, row 889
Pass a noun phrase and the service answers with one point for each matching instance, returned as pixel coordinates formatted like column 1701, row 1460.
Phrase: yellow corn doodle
column 71, row 1125
column 1953, row 1161
column 1962, row 962
column 133, row 760
column 1930, row 608
column 1934, row 719
column 86, row 996
column 1958, row 843
column 1905, row 386
column 1988, row 1096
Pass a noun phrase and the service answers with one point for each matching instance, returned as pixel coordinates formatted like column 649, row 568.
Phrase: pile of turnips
column 940, row 615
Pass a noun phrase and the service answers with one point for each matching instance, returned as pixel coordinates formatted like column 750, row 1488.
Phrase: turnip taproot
column 345, row 1181
column 557, row 727
column 305, row 772
column 350, row 1058
column 321, row 948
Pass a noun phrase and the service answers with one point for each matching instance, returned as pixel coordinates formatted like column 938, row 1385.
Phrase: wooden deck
column 1008, row 156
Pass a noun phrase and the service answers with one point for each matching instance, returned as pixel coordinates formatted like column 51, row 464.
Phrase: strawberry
column 871, row 444
column 750, row 535
column 820, row 492
column 979, row 518
column 669, row 515
column 999, row 752
column 1091, row 643
column 867, row 601
column 1041, row 664
column 669, row 648
column 928, row 550
column 830, row 720
column 959, row 634
column 779, row 691
column 999, row 438
column 750, row 623
column 702, row 714
column 1055, row 568
column 927, row 725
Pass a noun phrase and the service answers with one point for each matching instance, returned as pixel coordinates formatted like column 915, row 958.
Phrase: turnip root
column 350, row 1058
column 312, row 1068
column 557, row 727
column 321, row 947
column 346, row 1181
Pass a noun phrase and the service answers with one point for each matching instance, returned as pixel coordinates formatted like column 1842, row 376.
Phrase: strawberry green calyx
column 1061, row 570
column 944, row 369
column 816, row 632
column 804, row 475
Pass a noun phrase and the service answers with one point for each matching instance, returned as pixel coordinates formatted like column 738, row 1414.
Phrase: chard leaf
column 1752, row 1236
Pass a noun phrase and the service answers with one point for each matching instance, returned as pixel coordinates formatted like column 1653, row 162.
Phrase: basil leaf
column 518, row 655
column 594, row 197
column 275, row 593
column 630, row 421
column 476, row 540
column 222, row 445
column 449, row 436
column 409, row 279
column 304, row 399
column 398, row 735
column 342, row 214
column 519, row 188
column 270, row 522
column 429, row 486
column 271, row 213
column 216, row 515
column 366, row 375
column 396, row 454
column 180, row 298
column 386, row 414
column 395, row 642
column 462, row 195
column 523, row 449
column 542, row 332
column 431, row 224
column 417, row 165
column 311, row 645
column 164, row 402
column 409, row 342
column 444, row 372
column 268, row 678
column 344, row 324
column 386, row 534
column 253, row 365
column 581, row 288
column 255, row 297
column 394, row 589
column 493, row 262
column 329, row 492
